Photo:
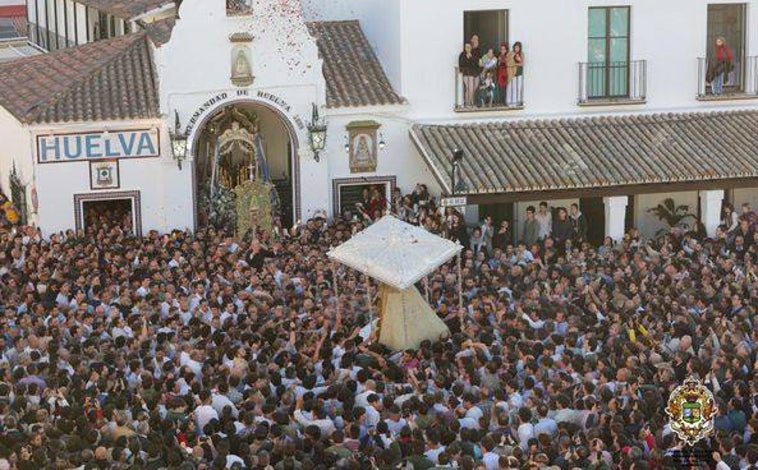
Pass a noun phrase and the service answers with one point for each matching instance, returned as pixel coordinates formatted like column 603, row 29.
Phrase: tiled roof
column 537, row 155
column 126, row 9
column 105, row 80
column 160, row 31
column 354, row 76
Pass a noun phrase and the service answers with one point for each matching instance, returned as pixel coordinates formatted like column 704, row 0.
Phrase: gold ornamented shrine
column 254, row 209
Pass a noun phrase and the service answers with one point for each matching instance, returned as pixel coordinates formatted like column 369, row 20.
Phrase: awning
column 600, row 152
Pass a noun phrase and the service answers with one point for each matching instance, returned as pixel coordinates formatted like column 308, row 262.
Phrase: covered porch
column 614, row 168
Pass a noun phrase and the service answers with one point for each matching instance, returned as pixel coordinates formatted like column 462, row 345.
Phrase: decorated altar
column 238, row 191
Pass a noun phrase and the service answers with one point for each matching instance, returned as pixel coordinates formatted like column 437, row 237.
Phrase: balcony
column 47, row 39
column 509, row 98
column 718, row 82
column 612, row 83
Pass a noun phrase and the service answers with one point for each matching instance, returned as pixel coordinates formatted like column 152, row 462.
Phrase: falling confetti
column 285, row 19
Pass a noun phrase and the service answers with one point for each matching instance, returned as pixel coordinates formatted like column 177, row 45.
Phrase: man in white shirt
column 220, row 401
column 320, row 419
column 434, row 448
column 372, row 411
column 395, row 423
column 490, row 459
column 362, row 398
column 545, row 425
column 472, row 411
column 205, row 412
column 525, row 429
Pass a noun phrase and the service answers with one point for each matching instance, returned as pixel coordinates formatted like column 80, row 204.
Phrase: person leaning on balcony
column 721, row 64
column 502, row 74
column 516, row 66
column 468, row 65
column 487, row 86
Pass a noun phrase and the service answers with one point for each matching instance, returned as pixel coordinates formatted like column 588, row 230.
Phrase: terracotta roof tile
column 354, row 76
column 126, row 9
column 105, row 80
column 559, row 154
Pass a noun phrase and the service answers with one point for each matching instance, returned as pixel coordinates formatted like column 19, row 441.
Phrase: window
column 608, row 52
column 102, row 27
column 725, row 71
column 490, row 25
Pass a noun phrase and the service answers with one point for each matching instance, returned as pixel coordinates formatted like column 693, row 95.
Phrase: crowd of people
column 492, row 76
column 199, row 350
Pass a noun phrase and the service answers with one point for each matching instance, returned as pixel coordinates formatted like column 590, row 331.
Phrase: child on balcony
column 487, row 91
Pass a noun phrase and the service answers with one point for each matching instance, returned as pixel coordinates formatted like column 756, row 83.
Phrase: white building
column 613, row 109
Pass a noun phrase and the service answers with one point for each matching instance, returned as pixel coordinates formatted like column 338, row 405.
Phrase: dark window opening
column 110, row 213
column 490, row 25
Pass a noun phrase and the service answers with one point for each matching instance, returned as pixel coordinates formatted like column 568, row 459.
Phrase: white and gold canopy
column 395, row 253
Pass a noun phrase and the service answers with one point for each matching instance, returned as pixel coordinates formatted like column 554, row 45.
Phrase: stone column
column 710, row 209
column 615, row 216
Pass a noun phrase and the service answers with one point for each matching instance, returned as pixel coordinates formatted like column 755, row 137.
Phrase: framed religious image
column 104, row 174
column 239, row 7
column 362, row 144
column 242, row 69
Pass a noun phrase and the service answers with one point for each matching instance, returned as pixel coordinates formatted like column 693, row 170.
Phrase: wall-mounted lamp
column 382, row 143
column 178, row 141
column 317, row 130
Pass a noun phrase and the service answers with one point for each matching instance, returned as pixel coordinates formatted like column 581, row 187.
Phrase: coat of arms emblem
column 691, row 409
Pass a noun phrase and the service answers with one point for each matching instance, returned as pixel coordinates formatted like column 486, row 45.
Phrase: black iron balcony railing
column 480, row 94
column 722, row 79
column 612, row 82
column 47, row 39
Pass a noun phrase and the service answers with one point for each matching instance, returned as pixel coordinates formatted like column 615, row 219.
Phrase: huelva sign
column 59, row 148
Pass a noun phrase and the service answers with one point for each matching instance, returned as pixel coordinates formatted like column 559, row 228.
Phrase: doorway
column 121, row 209
column 348, row 192
column 238, row 143
column 499, row 213
column 593, row 209
column 490, row 25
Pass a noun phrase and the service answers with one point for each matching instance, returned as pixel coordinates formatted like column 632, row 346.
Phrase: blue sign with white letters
column 98, row 145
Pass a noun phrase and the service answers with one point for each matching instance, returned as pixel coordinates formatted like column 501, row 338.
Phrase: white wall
column 743, row 195
column 399, row 157
column 647, row 223
column 669, row 34
column 7, row 3
column 166, row 192
column 15, row 147
column 285, row 64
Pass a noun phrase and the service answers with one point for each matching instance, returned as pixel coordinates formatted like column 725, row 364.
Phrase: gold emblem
column 691, row 409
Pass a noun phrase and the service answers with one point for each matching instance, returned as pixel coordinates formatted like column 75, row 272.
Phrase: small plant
column 672, row 215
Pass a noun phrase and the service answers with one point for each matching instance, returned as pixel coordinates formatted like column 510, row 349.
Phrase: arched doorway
column 245, row 140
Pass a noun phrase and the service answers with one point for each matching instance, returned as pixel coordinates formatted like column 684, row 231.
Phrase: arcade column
column 615, row 216
column 710, row 209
